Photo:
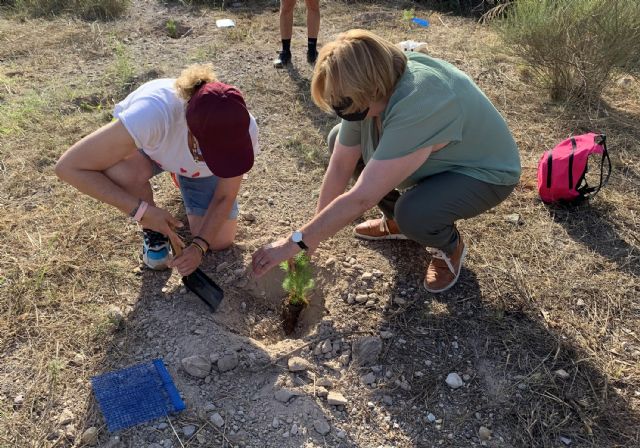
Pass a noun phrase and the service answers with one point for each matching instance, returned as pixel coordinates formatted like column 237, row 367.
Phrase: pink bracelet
column 140, row 212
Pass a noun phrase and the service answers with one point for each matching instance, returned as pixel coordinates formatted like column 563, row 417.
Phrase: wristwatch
column 296, row 237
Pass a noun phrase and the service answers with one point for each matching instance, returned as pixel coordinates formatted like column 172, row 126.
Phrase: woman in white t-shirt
column 195, row 127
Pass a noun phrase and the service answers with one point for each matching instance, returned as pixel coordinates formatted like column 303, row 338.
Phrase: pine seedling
column 299, row 279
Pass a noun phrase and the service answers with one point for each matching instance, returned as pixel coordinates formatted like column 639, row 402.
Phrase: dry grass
column 560, row 291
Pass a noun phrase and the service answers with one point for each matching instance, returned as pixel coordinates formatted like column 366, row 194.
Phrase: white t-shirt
column 154, row 115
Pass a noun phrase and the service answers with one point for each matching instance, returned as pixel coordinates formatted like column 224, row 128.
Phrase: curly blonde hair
column 192, row 78
column 358, row 65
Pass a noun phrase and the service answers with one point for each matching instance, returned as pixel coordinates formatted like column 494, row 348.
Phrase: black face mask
column 354, row 116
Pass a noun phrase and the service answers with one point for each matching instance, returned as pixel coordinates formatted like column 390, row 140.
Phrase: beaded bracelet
column 199, row 247
column 203, row 240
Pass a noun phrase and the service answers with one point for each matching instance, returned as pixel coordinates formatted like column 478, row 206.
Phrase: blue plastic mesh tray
column 136, row 394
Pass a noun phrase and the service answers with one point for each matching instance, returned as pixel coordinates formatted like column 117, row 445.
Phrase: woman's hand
column 271, row 255
column 187, row 262
column 162, row 221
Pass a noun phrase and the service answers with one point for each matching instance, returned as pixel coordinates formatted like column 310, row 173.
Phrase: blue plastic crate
column 136, row 394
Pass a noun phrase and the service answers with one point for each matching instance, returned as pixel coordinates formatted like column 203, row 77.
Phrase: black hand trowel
column 198, row 283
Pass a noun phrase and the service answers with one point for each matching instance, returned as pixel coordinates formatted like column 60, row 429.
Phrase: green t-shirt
column 434, row 102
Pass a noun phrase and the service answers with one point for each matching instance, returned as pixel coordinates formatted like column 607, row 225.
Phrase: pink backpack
column 562, row 170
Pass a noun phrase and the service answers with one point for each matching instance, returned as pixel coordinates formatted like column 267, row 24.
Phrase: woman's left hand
column 271, row 255
column 187, row 262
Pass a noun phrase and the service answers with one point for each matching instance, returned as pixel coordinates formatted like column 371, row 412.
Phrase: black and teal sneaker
column 155, row 249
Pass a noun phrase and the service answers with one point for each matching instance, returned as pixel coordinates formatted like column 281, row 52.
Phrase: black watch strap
column 302, row 245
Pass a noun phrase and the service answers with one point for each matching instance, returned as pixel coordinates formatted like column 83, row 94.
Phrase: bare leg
column 313, row 18
column 225, row 236
column 286, row 18
column 133, row 174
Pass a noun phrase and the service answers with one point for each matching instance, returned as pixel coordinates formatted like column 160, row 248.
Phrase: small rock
column 324, row 382
column 366, row 276
column 369, row 378
column 326, row 346
column 249, row 217
column 275, row 423
column 321, row 426
column 431, row 418
column 484, row 433
column 340, row 434
column 370, row 303
column 330, row 262
column 466, row 377
column 115, row 316
column 399, row 301
column 321, row 391
column 388, row 400
column 361, row 298
column 18, row 400
column 336, row 398
column 70, row 432
column 565, row 440
column 89, row 436
column 294, row 430
column 217, row 420
column 384, row 334
column 188, row 430
column 580, row 303
column 625, row 82
column 283, row 395
column 297, row 364
column 65, row 417
column 366, row 350
column 454, row 381
column 561, row 373
column 228, row 362
column 197, row 366
column 514, row 218
column 222, row 266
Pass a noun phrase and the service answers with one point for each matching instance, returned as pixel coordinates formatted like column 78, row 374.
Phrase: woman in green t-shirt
column 425, row 143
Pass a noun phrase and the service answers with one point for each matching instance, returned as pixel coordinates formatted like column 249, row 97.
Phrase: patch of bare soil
column 541, row 332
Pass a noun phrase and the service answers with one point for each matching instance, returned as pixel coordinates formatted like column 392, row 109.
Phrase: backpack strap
column 574, row 145
column 586, row 190
column 549, row 166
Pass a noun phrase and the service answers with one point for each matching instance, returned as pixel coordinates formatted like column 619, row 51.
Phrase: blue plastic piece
column 137, row 394
column 421, row 22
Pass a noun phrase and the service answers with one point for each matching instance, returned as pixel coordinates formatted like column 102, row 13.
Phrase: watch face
column 296, row 237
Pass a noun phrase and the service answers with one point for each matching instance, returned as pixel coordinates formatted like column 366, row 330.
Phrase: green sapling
column 299, row 279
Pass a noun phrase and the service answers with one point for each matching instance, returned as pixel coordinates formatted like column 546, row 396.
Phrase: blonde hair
column 192, row 78
column 358, row 65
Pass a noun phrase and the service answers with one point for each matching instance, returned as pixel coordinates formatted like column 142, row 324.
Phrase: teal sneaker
column 155, row 250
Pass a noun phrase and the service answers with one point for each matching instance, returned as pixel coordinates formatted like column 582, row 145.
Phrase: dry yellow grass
column 560, row 291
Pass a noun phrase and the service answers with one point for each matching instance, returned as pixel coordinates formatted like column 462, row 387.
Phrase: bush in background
column 86, row 9
column 574, row 46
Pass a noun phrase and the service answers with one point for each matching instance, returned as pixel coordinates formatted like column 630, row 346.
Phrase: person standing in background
column 286, row 30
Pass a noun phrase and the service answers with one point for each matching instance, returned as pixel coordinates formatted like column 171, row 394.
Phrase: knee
column 313, row 6
column 417, row 220
column 286, row 6
column 221, row 245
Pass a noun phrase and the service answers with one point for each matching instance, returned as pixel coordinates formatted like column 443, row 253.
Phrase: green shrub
column 299, row 279
column 86, row 9
column 574, row 46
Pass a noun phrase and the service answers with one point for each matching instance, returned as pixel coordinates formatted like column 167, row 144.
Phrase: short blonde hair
column 192, row 78
column 358, row 65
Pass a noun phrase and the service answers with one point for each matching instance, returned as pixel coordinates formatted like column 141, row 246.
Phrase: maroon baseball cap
column 218, row 118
